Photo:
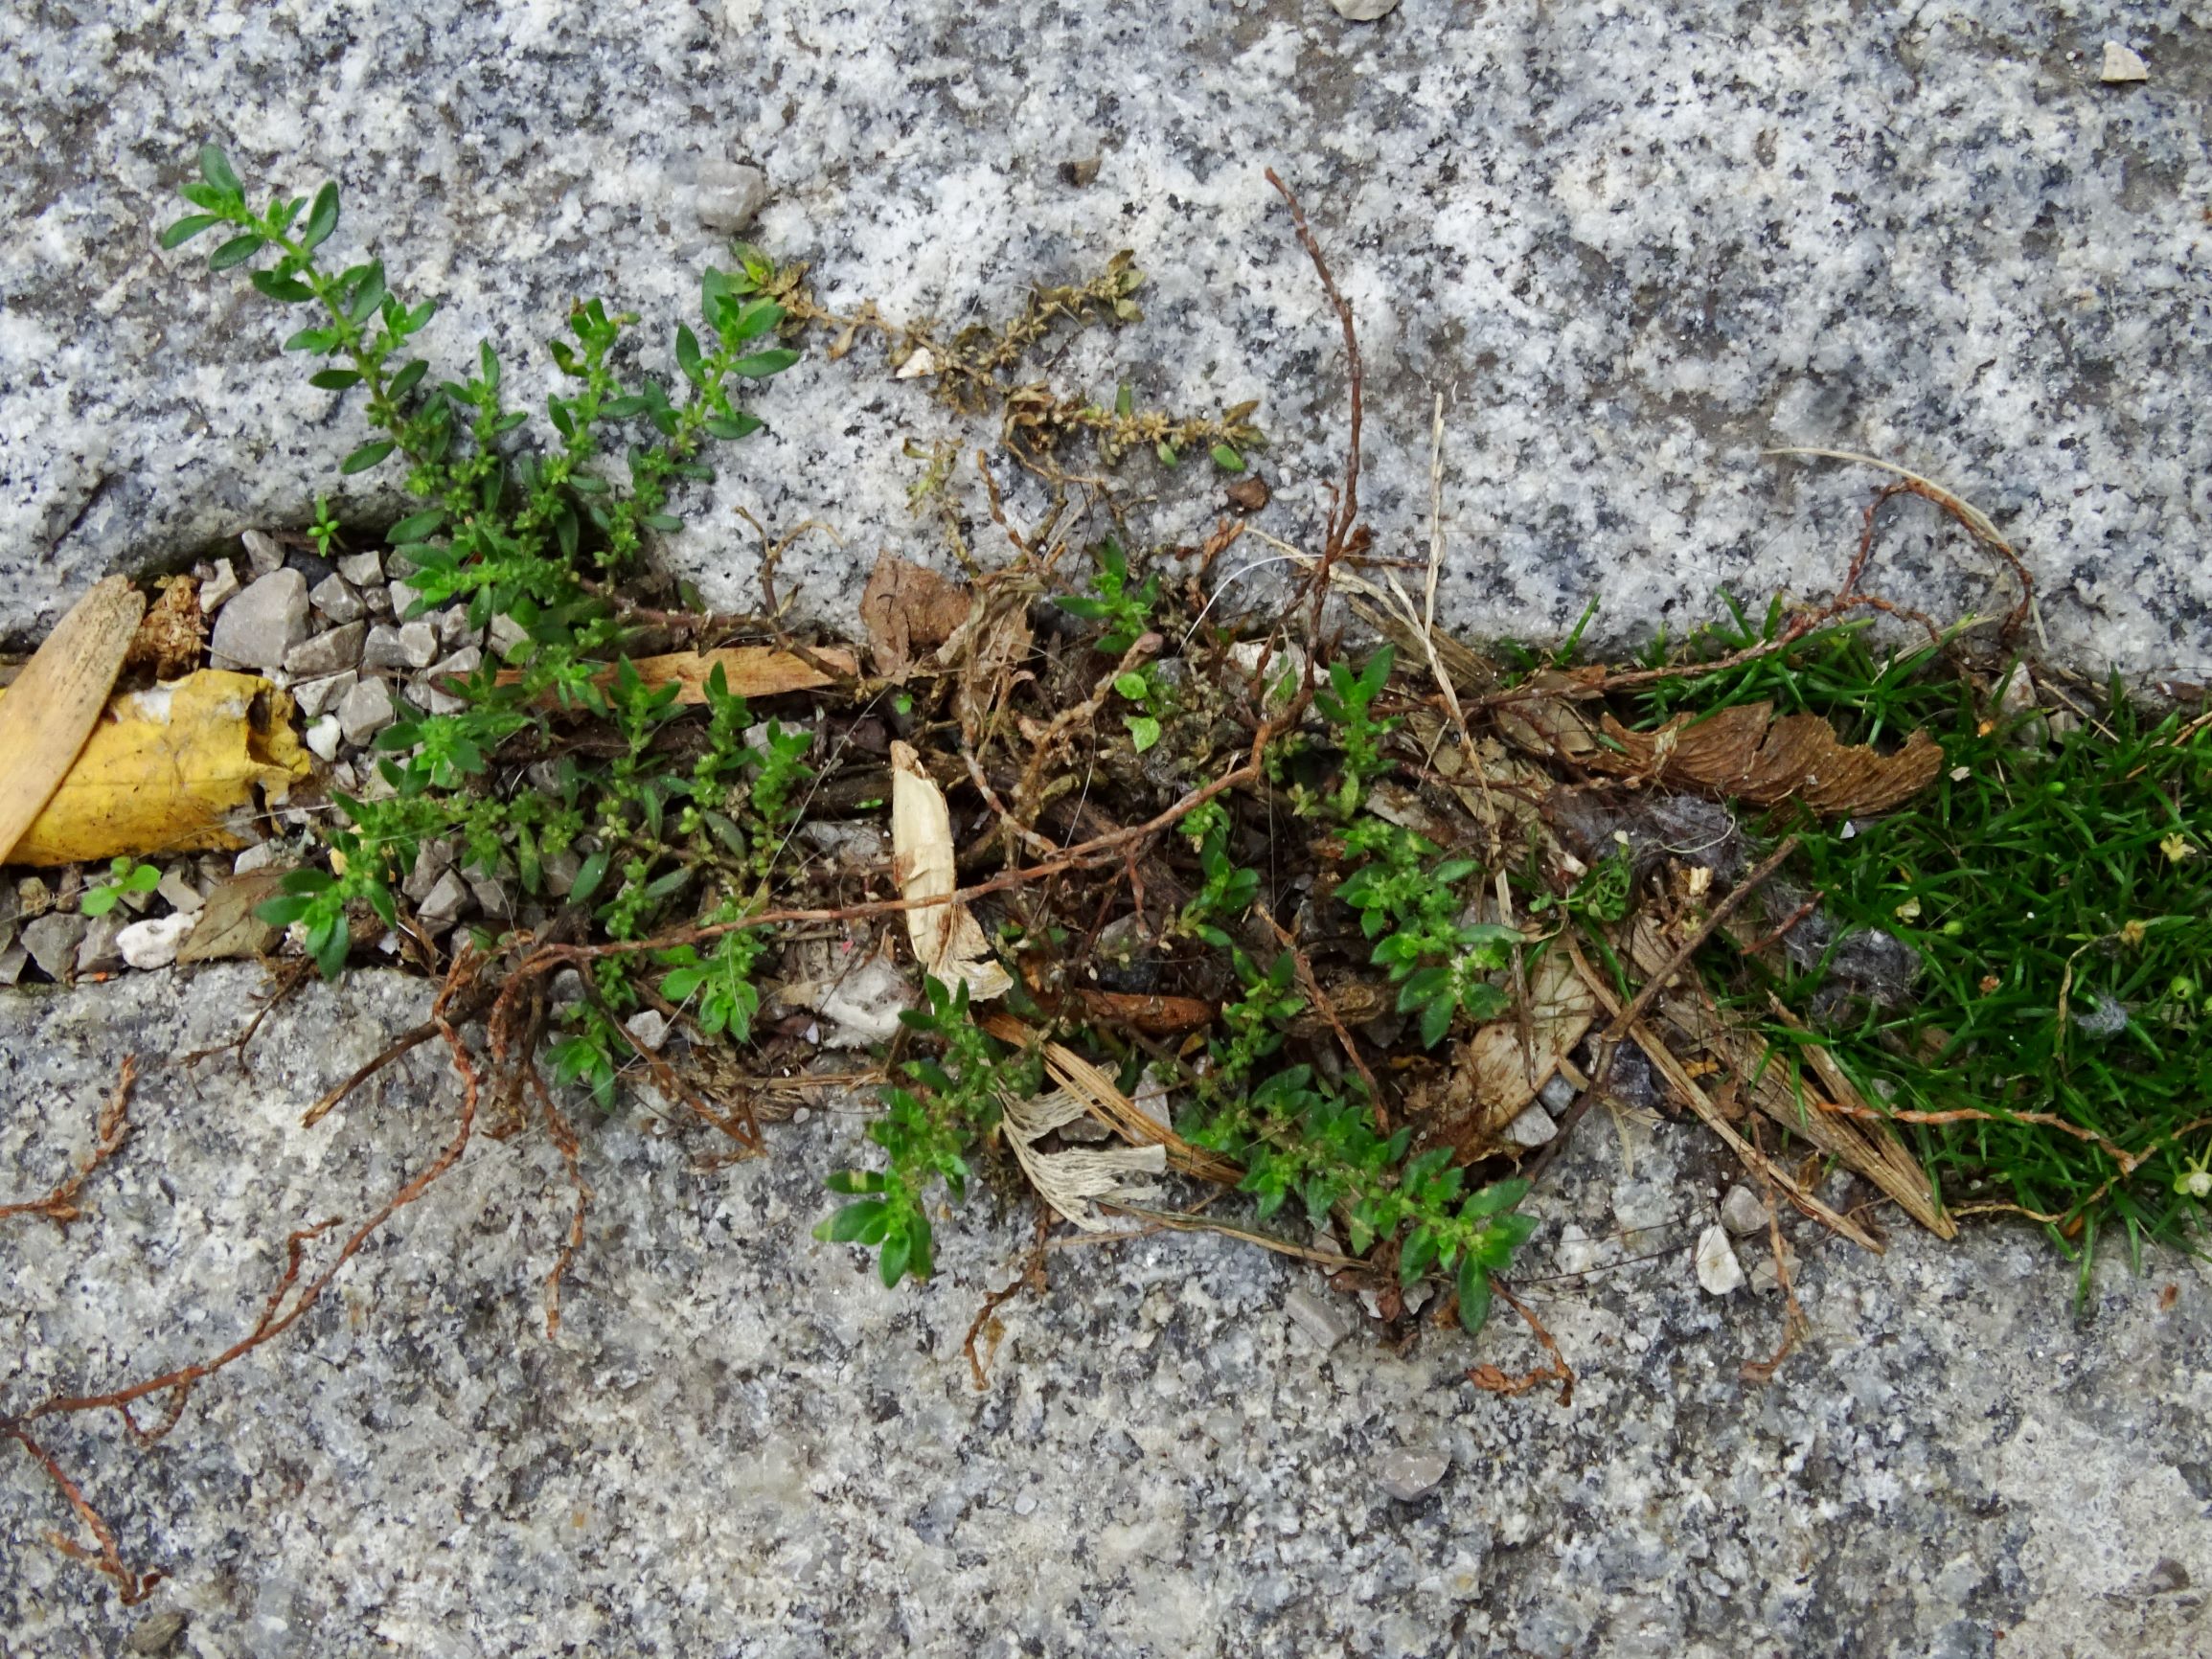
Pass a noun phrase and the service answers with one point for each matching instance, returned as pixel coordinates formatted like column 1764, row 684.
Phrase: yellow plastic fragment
column 173, row 770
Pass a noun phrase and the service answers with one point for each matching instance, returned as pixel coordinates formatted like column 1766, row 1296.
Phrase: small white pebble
column 323, row 736
column 255, row 857
column 1318, row 1317
column 1742, row 1211
column 1718, row 1269
column 1533, row 1127
column 2122, row 66
column 153, row 943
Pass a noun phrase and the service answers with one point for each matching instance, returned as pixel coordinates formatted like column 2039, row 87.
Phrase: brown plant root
column 1492, row 1380
column 111, row 1129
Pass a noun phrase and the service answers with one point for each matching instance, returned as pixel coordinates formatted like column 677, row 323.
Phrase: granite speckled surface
column 1633, row 244
column 741, row 1444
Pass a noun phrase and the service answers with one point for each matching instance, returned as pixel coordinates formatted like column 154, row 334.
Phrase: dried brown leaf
column 748, row 670
column 910, row 610
column 1501, row 1068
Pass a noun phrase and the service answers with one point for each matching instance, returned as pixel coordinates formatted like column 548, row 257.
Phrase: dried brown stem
column 284, row 1308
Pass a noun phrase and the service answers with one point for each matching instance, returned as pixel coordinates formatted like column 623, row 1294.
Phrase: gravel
column 258, row 627
column 366, row 709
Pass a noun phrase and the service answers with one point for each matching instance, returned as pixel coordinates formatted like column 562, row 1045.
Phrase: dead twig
column 287, row 1304
column 131, row 1587
column 1685, row 1086
column 1328, row 1012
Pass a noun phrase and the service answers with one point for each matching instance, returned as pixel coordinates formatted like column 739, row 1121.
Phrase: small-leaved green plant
column 520, row 532
column 124, row 876
column 1296, row 1134
column 1411, row 908
column 929, row 1131
column 1346, row 701
column 1124, row 609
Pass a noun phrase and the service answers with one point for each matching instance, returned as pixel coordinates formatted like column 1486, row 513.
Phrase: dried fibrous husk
column 171, row 639
column 1743, row 752
column 175, row 769
column 1103, row 1099
column 55, row 701
column 946, row 940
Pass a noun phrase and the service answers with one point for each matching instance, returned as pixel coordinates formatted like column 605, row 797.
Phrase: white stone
column 51, row 941
column 1742, row 1211
column 730, row 195
column 2122, row 66
column 98, row 953
column 648, row 1028
column 334, row 596
column 362, row 569
column 220, row 587
column 365, row 710
column 1363, row 11
column 262, row 553
column 505, row 634
column 1410, row 1475
column 327, row 653
column 1533, row 1127
column 491, row 896
column 153, row 943
column 261, row 623
column 432, row 859
column 1286, row 665
column 448, row 899
column 1718, row 1269
column 1763, row 1279
column 1318, row 1316
column 459, row 666
column 406, row 645
column 179, row 889
column 315, row 697
column 425, row 695
column 258, row 856
column 324, row 736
